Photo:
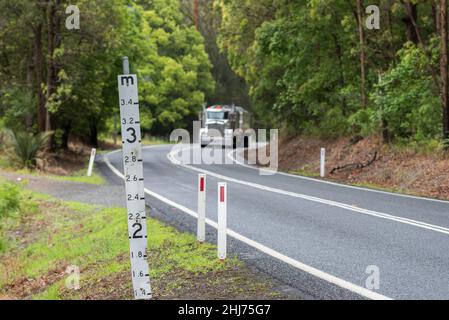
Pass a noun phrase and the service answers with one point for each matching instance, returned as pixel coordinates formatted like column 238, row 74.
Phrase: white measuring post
column 323, row 163
column 201, row 229
column 134, row 182
column 222, row 220
column 91, row 162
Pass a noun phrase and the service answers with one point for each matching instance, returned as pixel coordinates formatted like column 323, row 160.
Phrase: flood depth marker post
column 201, row 228
column 222, row 220
column 134, row 182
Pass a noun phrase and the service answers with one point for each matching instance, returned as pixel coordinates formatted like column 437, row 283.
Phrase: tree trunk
column 436, row 17
column 196, row 14
column 65, row 136
column 444, row 68
column 339, row 54
column 29, row 117
column 415, row 37
column 362, row 53
column 411, row 22
column 39, row 77
column 53, row 22
column 93, row 138
column 392, row 51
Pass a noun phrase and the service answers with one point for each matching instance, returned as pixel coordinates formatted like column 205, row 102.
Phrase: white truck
column 224, row 125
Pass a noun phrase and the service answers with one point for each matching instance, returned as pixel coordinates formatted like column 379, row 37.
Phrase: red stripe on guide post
column 202, row 184
column 222, row 194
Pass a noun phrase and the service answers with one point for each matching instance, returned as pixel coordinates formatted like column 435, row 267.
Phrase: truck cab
column 222, row 124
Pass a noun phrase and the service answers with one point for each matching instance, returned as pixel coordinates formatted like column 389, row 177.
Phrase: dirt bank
column 370, row 163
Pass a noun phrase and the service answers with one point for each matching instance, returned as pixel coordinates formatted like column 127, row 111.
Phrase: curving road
column 317, row 237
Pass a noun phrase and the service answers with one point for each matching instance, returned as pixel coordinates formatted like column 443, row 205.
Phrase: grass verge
column 46, row 236
column 108, row 143
column 81, row 177
column 76, row 175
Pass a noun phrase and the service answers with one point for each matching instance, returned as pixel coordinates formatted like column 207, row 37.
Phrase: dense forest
column 315, row 67
column 65, row 80
column 306, row 66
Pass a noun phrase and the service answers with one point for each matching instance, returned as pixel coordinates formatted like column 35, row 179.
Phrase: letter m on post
column 128, row 80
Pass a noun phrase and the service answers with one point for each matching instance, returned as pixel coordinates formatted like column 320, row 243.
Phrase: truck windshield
column 217, row 115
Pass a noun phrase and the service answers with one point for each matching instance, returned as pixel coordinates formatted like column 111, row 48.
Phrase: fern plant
column 24, row 148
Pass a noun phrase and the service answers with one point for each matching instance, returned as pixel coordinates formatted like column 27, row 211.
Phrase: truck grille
column 218, row 127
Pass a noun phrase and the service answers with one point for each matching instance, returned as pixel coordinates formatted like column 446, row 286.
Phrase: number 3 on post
column 135, row 194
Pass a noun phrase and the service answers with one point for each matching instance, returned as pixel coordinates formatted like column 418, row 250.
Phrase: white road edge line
column 232, row 156
column 273, row 253
column 376, row 214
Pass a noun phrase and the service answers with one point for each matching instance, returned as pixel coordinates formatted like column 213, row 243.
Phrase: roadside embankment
column 415, row 170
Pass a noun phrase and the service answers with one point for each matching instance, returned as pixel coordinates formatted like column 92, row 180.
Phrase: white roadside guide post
column 134, row 182
column 91, row 162
column 201, row 229
column 323, row 163
column 222, row 220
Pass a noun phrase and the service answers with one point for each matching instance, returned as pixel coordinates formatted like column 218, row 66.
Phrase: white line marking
column 273, row 253
column 376, row 214
column 233, row 157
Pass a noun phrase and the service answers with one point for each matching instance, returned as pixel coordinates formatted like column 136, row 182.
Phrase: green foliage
column 364, row 122
column 81, row 177
column 9, row 199
column 289, row 58
column 178, row 67
column 334, row 123
column 407, row 98
column 165, row 51
column 301, row 60
column 23, row 147
column 16, row 107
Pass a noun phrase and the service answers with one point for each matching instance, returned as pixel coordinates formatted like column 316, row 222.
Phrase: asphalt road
column 317, row 237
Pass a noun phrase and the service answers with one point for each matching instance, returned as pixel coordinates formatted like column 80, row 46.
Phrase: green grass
column 98, row 236
column 51, row 293
column 81, row 177
column 10, row 205
column 4, row 163
column 360, row 184
column 147, row 141
column 305, row 173
column 154, row 140
column 57, row 234
column 378, row 187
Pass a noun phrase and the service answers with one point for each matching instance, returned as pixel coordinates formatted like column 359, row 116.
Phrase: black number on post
column 133, row 178
column 139, row 228
column 133, row 135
